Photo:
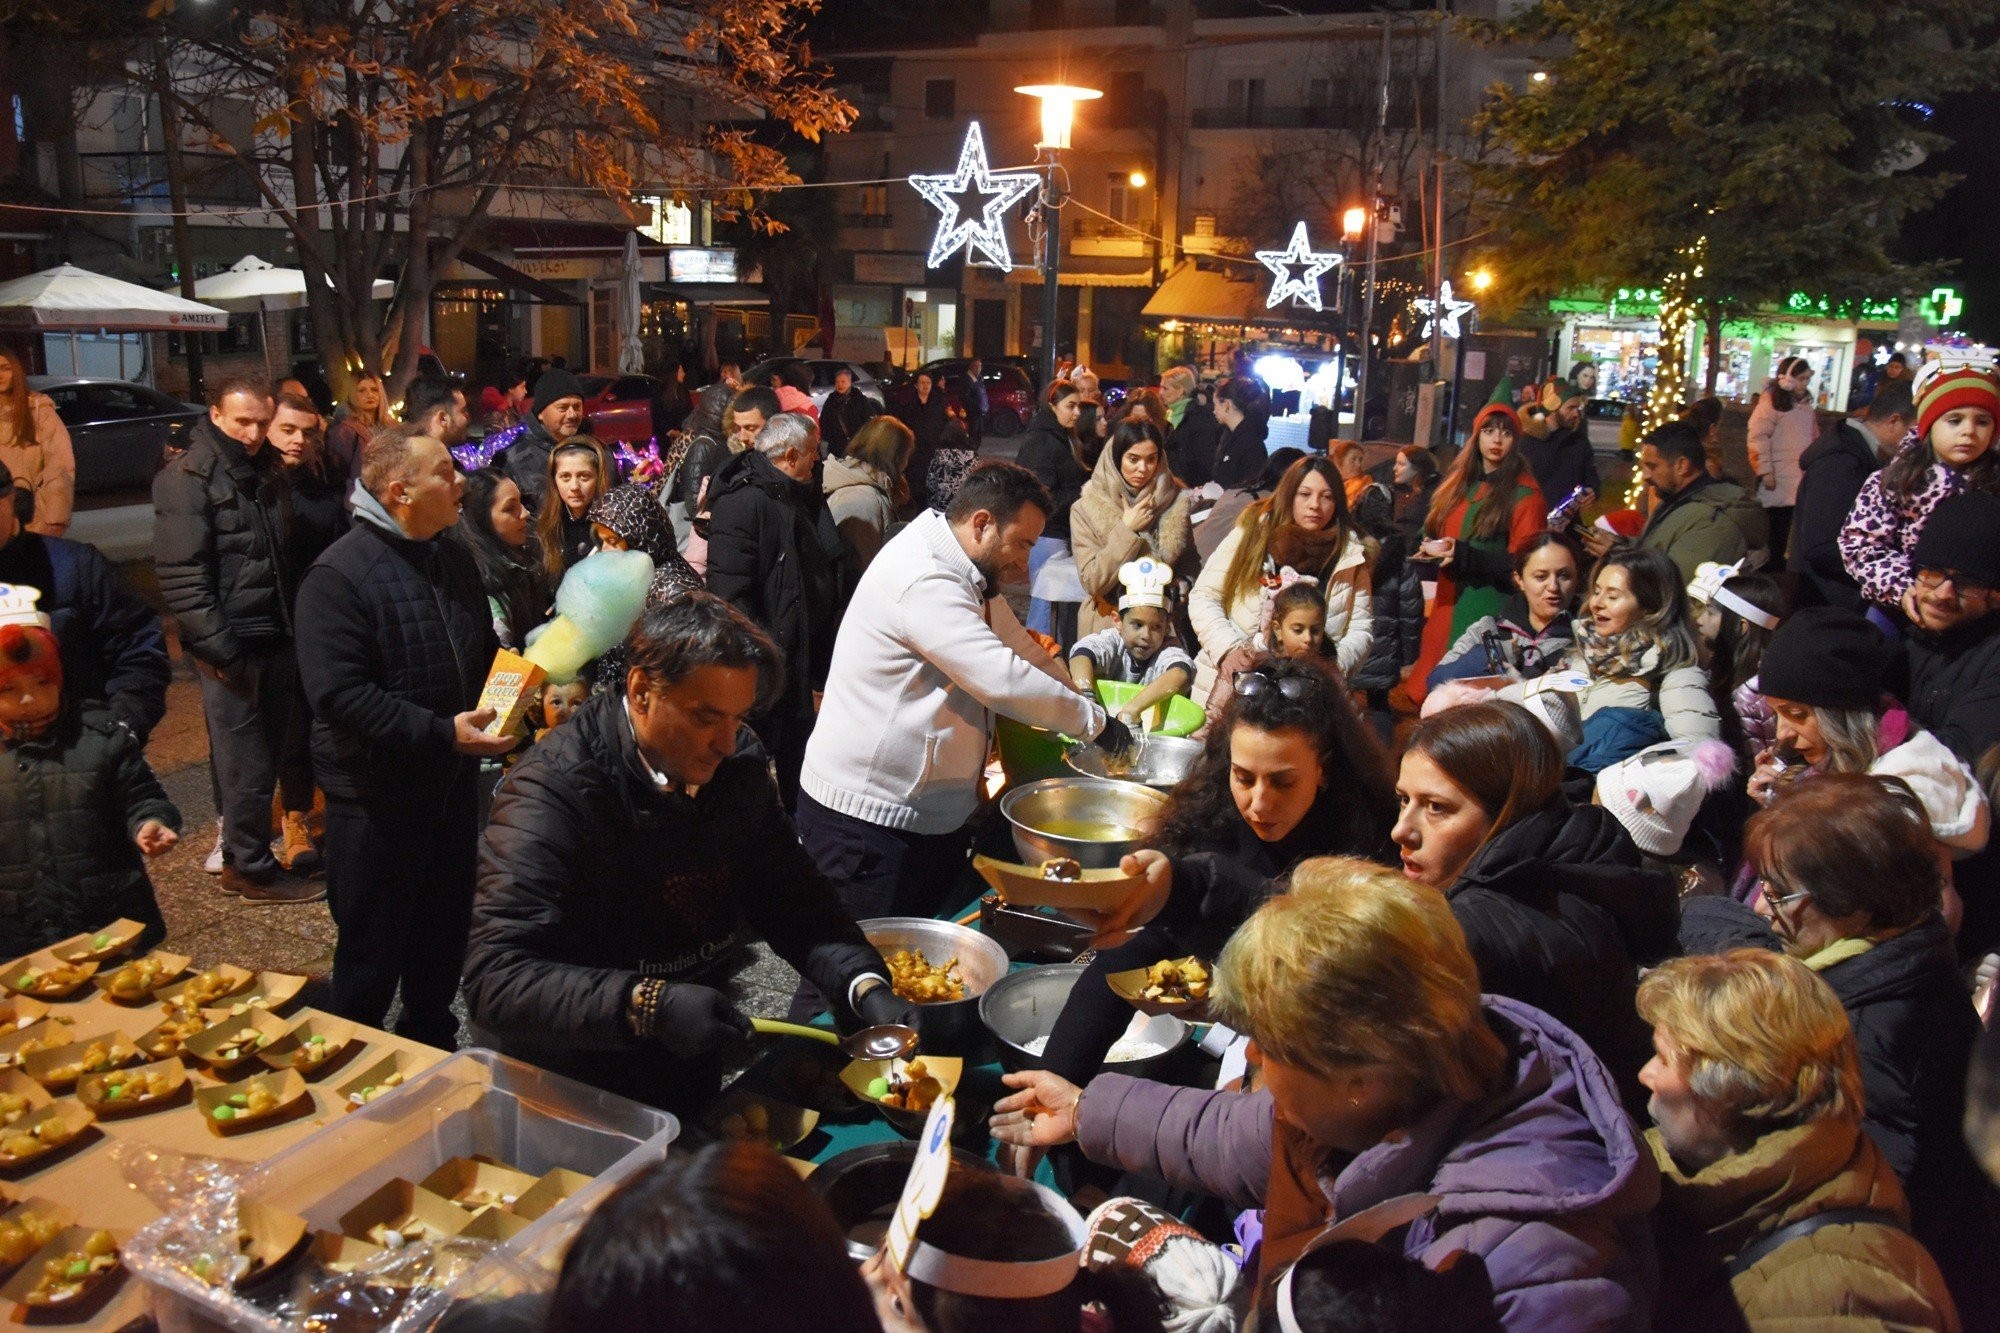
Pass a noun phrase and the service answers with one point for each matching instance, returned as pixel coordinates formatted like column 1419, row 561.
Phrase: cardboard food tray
column 21, row 1011
column 173, row 966
column 392, row 1064
column 70, row 1238
column 286, row 1086
column 1131, row 988
column 77, row 1120
column 17, row 1084
column 1028, row 886
column 14, row 975
column 238, row 979
column 788, row 1124
column 49, row 1068
column 94, row 946
column 472, row 1104
column 464, row 1176
column 91, row 1088
column 269, row 992
column 947, row 1070
column 339, row 1040
column 230, row 1035
column 35, row 1034
column 54, row 1212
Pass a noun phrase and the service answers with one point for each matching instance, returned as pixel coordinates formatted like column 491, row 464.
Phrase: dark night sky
column 1960, row 228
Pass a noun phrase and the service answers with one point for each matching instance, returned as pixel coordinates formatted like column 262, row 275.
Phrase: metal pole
column 170, row 144
column 1458, row 377
column 1051, row 274
column 1374, row 244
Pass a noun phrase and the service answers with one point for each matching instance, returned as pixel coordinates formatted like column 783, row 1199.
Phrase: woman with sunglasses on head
column 1556, row 907
column 1288, row 771
column 1849, row 882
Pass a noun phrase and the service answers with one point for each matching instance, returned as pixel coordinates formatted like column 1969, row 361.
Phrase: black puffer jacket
column 1192, row 445
column 1242, row 456
column 395, row 638
column 1558, row 914
column 773, row 550
column 526, row 460
column 113, row 649
column 590, row 876
column 222, row 522
column 1914, row 1026
column 69, row 806
column 1046, row 452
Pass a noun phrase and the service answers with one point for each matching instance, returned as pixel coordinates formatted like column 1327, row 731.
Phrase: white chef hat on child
column 17, row 605
column 1709, row 576
column 1146, row 582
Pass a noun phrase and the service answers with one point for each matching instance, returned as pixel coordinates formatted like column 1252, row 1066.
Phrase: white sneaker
column 213, row 865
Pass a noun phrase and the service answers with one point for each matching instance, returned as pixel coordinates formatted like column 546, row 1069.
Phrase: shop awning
column 533, row 288
column 1218, row 294
column 708, row 293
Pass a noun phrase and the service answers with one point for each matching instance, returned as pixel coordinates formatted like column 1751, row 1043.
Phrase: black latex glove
column 696, row 1019
column 882, row 1005
column 1116, row 738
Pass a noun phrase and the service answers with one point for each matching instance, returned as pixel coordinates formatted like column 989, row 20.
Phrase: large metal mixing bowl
column 1047, row 816
column 950, row 1027
column 1163, row 761
column 1024, row 1006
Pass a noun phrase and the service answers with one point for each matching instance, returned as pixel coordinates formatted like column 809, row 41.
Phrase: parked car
column 618, row 409
column 1602, row 420
column 120, row 431
column 1010, row 392
column 823, row 371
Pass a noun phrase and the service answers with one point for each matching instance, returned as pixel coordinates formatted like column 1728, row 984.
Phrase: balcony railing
column 211, row 178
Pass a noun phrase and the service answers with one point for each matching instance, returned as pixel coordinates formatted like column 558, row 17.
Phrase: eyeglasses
column 1933, row 579
column 1764, row 887
column 1249, row 684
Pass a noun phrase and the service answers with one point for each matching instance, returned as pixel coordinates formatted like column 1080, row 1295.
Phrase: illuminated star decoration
column 956, row 196
column 1443, row 313
column 1305, row 287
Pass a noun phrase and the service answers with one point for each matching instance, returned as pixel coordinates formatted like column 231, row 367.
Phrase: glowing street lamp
column 1353, row 222
column 1480, row 279
column 1058, row 117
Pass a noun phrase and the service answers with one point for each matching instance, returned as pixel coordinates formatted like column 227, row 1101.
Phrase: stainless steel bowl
column 950, row 1027
column 1163, row 761
column 861, row 1187
column 1024, row 1005
column 1043, row 814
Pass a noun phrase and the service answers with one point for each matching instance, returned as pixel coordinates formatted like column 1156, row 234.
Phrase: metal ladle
column 884, row 1041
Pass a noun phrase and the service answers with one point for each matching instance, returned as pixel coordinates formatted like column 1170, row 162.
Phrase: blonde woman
column 1384, row 1074
column 363, row 413
column 1777, row 1210
column 35, row 445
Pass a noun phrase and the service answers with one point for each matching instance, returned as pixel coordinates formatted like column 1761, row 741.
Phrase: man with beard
column 927, row 656
column 557, row 405
column 1698, row 519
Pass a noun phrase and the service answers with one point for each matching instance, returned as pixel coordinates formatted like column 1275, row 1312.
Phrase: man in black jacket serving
column 626, row 854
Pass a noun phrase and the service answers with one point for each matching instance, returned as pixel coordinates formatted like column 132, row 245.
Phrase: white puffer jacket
column 1350, row 610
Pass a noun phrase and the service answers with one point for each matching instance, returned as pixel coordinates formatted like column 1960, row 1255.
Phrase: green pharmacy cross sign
column 1942, row 306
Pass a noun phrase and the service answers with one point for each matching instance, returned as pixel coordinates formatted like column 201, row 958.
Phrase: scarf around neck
column 1629, row 655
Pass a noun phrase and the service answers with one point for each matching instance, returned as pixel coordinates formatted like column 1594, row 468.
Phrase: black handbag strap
column 1748, row 1257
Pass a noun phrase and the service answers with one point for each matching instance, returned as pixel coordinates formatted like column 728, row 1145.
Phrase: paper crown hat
column 17, row 606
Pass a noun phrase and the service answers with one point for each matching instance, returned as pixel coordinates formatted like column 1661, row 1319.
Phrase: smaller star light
column 1305, row 287
column 1443, row 313
column 974, row 186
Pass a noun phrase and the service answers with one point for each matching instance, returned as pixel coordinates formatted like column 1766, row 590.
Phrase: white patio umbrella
column 68, row 298
column 631, row 350
column 253, row 284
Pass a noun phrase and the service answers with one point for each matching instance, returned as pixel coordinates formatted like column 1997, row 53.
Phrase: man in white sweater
column 928, row 654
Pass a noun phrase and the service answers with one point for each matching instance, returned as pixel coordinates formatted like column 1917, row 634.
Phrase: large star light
column 1443, row 313
column 957, row 196
column 1305, row 287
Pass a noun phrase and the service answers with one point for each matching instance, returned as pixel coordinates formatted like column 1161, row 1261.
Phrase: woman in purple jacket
column 1394, row 1102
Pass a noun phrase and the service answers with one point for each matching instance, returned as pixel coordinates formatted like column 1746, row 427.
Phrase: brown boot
column 270, row 888
column 297, row 854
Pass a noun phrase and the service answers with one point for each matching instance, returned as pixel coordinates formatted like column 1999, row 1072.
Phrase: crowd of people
column 1606, row 911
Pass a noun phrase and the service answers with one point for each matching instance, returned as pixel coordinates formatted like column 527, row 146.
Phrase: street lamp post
column 1058, row 116
column 1352, row 223
column 1480, row 280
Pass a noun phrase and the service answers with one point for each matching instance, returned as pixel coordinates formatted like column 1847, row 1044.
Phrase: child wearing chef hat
column 1140, row 648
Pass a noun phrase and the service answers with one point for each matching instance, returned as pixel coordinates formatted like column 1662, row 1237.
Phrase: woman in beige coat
column 1130, row 507
column 35, row 445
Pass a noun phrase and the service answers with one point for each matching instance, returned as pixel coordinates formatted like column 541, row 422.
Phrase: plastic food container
column 473, row 1104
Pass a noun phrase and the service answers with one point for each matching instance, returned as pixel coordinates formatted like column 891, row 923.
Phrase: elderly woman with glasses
column 1288, row 771
column 1848, row 882
column 1394, row 1100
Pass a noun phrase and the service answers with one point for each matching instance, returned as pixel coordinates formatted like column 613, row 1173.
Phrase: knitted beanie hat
column 1656, row 793
column 552, row 387
column 1825, row 656
column 1962, row 535
column 1501, row 410
column 1954, row 387
column 1195, row 1279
